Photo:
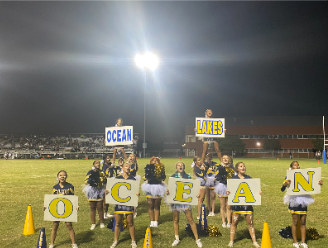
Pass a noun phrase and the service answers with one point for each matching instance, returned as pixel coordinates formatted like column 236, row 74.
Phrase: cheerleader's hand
column 78, row 208
column 321, row 182
column 198, row 195
column 228, row 192
column 44, row 207
column 260, row 192
column 287, row 182
column 167, row 192
column 138, row 194
column 106, row 191
column 202, row 167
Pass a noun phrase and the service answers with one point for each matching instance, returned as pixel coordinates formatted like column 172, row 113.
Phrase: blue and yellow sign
column 118, row 135
column 210, row 127
column 183, row 191
column 304, row 181
column 122, row 192
column 244, row 191
column 60, row 208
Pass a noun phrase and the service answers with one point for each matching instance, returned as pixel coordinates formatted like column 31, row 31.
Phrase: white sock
column 177, row 237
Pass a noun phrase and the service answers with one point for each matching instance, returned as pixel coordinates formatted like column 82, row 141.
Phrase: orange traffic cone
column 148, row 243
column 318, row 161
column 266, row 240
column 29, row 223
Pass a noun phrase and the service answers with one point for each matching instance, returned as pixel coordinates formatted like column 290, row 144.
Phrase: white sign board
column 304, row 181
column 183, row 191
column 118, row 135
column 244, row 191
column 210, row 127
column 60, row 208
column 122, row 192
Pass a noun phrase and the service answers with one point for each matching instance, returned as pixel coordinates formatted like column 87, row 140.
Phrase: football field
column 26, row 182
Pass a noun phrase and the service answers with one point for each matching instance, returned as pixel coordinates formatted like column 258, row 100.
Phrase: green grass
column 25, row 182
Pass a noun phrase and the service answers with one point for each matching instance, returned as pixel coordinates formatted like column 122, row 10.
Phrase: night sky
column 68, row 67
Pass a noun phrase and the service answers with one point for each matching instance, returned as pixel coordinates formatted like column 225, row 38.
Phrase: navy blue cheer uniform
column 248, row 209
column 134, row 169
column 68, row 189
column 210, row 174
column 122, row 209
column 200, row 175
column 95, row 190
column 297, row 204
column 221, row 179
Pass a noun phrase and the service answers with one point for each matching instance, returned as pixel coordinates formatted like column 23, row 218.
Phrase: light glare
column 148, row 60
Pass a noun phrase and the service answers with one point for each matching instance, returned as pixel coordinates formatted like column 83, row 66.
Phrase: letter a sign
column 304, row 181
column 244, row 191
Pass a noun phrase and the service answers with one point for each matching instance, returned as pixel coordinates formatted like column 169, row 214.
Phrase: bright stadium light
column 258, row 143
column 146, row 61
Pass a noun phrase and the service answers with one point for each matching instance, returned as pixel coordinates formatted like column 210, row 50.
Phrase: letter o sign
column 60, row 208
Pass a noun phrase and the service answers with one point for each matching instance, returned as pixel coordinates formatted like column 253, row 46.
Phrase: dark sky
column 69, row 66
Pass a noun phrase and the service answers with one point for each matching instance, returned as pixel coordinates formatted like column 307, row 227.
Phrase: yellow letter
column 198, row 127
column 204, row 127
column 220, row 127
column 53, row 208
column 244, row 191
column 209, row 127
column 215, row 126
column 181, row 190
column 115, row 190
column 300, row 180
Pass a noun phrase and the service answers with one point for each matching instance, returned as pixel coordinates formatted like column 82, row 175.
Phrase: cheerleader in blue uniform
column 177, row 208
column 200, row 174
column 154, row 188
column 298, row 208
column 62, row 188
column 119, row 123
column 121, row 210
column 107, row 165
column 240, row 168
column 207, row 141
column 224, row 171
column 95, row 191
column 210, row 183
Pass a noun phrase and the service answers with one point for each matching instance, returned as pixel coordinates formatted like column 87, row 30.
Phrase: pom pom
column 125, row 223
column 312, row 233
column 286, row 232
column 110, row 224
column 213, row 231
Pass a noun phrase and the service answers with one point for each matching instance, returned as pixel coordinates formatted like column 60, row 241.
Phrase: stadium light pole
column 146, row 61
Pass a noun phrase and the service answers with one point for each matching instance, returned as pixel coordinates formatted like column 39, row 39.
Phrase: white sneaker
column 74, row 246
column 155, row 224
column 114, row 244
column 176, row 242
column 228, row 225
column 151, row 224
column 93, row 226
column 304, row 245
column 199, row 244
column 109, row 215
column 197, row 218
column 211, row 214
column 51, row 246
column 105, row 216
column 256, row 245
column 230, row 244
column 296, row 245
column 224, row 225
column 102, row 225
column 134, row 244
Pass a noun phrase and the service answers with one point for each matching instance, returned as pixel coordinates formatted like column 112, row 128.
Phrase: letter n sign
column 304, row 181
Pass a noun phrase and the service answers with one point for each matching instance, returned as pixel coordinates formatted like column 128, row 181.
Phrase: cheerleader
column 133, row 171
column 207, row 141
column 200, row 173
column 154, row 188
column 245, row 210
column 95, row 191
column 177, row 208
column 210, row 183
column 298, row 208
column 62, row 188
column 121, row 210
column 224, row 171
column 105, row 169
column 119, row 123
